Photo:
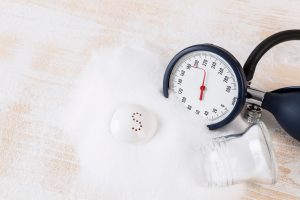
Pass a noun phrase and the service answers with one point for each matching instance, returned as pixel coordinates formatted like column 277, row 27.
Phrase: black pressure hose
column 264, row 46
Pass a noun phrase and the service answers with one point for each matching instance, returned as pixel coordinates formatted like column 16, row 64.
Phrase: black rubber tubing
column 264, row 46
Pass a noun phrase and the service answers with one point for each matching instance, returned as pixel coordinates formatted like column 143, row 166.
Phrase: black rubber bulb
column 284, row 104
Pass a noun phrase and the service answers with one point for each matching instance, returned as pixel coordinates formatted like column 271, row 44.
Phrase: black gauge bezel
column 236, row 68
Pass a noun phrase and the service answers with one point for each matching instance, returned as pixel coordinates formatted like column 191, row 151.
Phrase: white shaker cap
column 133, row 123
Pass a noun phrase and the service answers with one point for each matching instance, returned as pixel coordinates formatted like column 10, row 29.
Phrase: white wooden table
column 45, row 44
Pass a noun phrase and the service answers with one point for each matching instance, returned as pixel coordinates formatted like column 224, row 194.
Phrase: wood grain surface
column 45, row 44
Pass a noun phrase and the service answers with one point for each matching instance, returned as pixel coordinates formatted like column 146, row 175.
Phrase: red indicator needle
column 202, row 87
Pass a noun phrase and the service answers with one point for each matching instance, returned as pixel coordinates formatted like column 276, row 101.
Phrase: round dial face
column 206, row 84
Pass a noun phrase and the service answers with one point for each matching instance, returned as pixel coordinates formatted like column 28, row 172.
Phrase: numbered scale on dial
column 209, row 82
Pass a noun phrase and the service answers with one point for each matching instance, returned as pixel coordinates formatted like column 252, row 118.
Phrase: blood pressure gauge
column 209, row 82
